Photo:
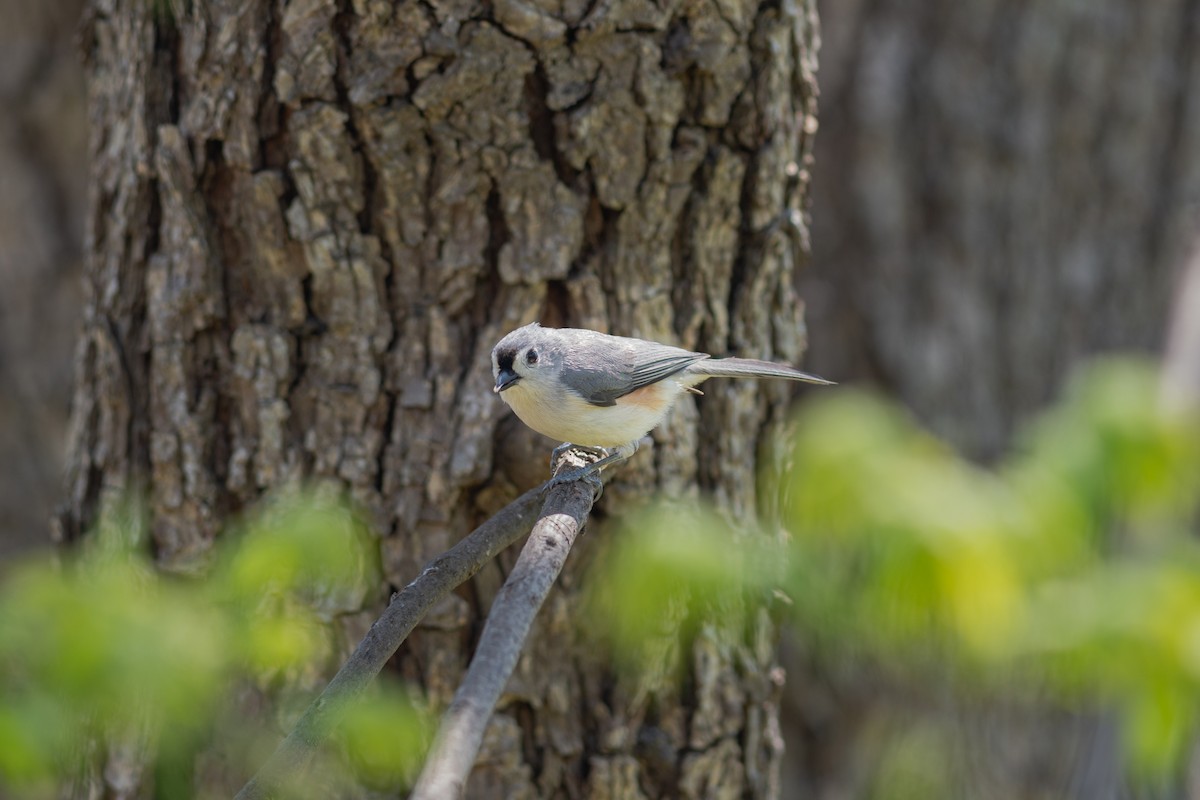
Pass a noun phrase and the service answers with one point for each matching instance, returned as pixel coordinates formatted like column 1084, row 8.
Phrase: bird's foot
column 589, row 472
column 558, row 452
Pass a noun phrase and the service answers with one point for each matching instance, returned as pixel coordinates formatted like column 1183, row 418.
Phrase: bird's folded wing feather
column 625, row 370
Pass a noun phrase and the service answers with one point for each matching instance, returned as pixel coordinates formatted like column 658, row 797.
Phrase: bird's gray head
column 531, row 354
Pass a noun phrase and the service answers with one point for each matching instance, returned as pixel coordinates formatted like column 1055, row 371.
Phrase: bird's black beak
column 504, row 379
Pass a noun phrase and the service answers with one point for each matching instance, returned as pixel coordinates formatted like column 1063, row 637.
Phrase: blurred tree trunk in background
column 1000, row 190
column 42, row 177
column 309, row 222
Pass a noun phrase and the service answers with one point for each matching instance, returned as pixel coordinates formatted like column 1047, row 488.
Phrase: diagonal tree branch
column 1181, row 363
column 407, row 608
column 541, row 560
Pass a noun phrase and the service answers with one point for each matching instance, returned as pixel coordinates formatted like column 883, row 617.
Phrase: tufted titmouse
column 603, row 392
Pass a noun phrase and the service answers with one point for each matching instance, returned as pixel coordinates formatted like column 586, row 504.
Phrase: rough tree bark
column 310, row 221
column 1000, row 190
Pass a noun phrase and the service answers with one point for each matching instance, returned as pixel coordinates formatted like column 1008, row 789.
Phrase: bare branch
column 541, row 560
column 1181, row 364
column 407, row 608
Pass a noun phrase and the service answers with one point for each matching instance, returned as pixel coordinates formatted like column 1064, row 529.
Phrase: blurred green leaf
column 1073, row 559
column 915, row 765
column 666, row 566
column 1111, row 445
column 385, row 736
column 98, row 643
column 1073, row 564
column 309, row 543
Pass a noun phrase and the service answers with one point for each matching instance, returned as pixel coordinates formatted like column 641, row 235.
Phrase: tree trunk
column 310, row 222
column 1000, row 190
column 41, row 234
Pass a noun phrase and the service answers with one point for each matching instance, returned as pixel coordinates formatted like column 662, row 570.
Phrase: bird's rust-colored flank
column 649, row 397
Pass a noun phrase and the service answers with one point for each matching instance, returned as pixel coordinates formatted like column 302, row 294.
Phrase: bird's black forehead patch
column 505, row 356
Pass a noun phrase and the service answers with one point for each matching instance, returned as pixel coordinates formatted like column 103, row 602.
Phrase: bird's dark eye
column 531, row 357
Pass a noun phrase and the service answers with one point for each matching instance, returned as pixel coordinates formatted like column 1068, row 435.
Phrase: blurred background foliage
column 99, row 645
column 1067, row 572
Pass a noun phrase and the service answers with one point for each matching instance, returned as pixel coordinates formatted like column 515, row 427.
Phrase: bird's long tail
column 751, row 368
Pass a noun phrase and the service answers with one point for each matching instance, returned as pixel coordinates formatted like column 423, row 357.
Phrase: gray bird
column 605, row 392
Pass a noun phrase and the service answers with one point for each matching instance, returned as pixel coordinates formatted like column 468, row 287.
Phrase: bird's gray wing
column 603, row 370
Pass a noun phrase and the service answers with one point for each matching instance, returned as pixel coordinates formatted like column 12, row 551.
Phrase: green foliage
column 102, row 646
column 1072, row 564
column 385, row 736
column 915, row 765
column 665, row 583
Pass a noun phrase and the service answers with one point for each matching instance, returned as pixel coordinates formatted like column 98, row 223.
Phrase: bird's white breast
column 570, row 418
